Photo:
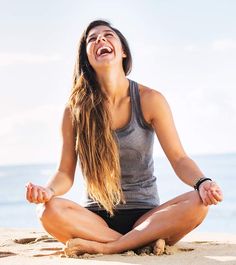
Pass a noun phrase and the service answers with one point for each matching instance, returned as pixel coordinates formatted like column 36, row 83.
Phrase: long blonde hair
column 96, row 146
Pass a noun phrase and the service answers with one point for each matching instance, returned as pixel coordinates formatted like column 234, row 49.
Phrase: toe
column 159, row 247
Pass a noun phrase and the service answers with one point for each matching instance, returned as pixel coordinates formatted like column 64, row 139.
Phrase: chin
column 105, row 63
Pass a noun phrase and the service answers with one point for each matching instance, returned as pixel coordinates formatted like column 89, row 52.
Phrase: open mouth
column 104, row 50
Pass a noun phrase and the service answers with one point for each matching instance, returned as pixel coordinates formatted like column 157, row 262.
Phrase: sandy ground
column 34, row 246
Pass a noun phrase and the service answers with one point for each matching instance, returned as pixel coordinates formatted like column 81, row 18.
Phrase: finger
column 212, row 187
column 217, row 195
column 216, row 191
column 207, row 201
column 28, row 184
column 34, row 194
column 211, row 198
column 28, row 193
column 46, row 196
column 43, row 195
column 40, row 196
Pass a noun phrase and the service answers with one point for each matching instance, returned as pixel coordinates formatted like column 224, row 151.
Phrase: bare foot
column 77, row 246
column 159, row 247
column 146, row 250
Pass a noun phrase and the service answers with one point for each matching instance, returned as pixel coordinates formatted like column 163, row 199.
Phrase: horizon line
column 157, row 156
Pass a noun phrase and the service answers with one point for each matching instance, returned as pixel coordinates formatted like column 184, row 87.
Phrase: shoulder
column 150, row 95
column 67, row 111
column 153, row 102
column 67, row 114
column 68, row 122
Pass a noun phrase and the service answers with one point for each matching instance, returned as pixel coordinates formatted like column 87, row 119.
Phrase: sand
column 33, row 246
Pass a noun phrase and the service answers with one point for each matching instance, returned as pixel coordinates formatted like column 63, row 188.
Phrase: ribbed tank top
column 136, row 159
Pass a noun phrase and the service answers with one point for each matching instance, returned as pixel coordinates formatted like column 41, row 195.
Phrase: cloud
column 41, row 114
column 27, row 58
column 223, row 45
column 31, row 135
column 175, row 49
column 191, row 48
column 36, row 114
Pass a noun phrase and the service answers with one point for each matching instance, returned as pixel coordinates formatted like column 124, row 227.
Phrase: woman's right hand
column 38, row 194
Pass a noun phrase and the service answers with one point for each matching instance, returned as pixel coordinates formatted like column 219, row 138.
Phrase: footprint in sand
column 46, row 249
column 25, row 240
column 206, row 242
column 185, row 249
column 4, row 254
column 56, row 253
column 32, row 240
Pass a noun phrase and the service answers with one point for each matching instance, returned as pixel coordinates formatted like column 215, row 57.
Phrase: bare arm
column 160, row 117
column 63, row 179
column 162, row 121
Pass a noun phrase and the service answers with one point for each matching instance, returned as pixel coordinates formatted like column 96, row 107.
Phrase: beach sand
column 33, row 246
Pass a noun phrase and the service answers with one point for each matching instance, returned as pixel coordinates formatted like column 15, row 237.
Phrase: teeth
column 101, row 48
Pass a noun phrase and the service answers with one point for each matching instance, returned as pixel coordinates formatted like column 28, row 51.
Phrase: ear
column 124, row 55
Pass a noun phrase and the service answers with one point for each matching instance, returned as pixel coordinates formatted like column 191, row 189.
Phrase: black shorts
column 123, row 220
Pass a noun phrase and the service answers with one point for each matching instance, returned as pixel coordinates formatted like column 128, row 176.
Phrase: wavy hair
column 96, row 145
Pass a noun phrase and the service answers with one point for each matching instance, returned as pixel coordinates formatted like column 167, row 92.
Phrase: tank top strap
column 136, row 106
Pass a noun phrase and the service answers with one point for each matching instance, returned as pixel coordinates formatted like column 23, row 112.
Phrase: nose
column 100, row 37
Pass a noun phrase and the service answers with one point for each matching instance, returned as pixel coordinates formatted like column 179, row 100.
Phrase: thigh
column 60, row 205
column 188, row 196
column 73, row 220
column 83, row 211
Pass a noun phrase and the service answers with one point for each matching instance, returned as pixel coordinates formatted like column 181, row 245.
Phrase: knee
column 199, row 210
column 48, row 210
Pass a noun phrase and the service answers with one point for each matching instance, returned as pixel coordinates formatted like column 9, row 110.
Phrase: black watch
column 200, row 181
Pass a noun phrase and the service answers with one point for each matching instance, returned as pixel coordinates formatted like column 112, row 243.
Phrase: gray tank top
column 136, row 159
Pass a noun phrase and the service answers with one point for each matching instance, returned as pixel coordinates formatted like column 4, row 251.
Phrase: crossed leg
column 65, row 219
column 170, row 221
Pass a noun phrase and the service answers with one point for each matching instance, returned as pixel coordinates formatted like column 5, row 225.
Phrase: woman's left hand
column 210, row 193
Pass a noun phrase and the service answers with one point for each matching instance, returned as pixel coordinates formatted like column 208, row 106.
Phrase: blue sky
column 184, row 49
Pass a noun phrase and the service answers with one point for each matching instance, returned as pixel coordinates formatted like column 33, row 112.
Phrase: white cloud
column 191, row 48
column 31, row 136
column 41, row 114
column 141, row 49
column 223, row 45
column 27, row 58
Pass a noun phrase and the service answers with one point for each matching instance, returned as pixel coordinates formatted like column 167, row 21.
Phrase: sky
column 184, row 49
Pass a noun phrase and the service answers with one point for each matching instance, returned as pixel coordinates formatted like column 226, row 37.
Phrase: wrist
column 52, row 190
column 199, row 181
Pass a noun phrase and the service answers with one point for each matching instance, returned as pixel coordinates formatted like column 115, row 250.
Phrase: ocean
column 17, row 212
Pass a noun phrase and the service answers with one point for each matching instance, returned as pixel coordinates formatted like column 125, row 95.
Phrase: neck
column 114, row 84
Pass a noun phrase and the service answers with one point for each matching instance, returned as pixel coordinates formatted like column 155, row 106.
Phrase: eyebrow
column 106, row 30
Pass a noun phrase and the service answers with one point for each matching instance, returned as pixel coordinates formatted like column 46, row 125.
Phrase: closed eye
column 95, row 37
column 91, row 39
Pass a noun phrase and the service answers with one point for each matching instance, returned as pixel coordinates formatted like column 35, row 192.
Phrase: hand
column 210, row 193
column 37, row 194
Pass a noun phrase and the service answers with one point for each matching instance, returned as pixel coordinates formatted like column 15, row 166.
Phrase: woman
column 109, row 124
